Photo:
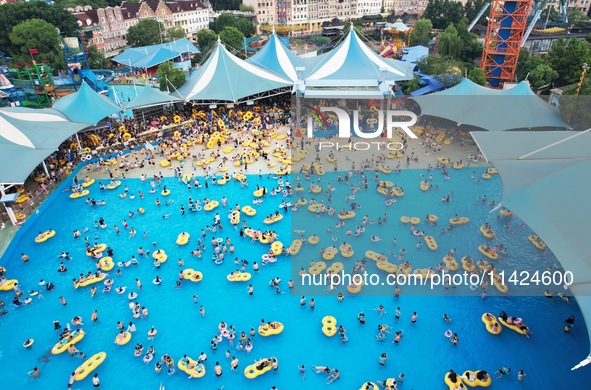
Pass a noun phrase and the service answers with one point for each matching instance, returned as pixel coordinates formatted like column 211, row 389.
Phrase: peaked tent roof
column 277, row 58
column 86, row 105
column 398, row 26
column 225, row 77
column 546, row 183
column 162, row 54
column 414, row 53
column 353, row 60
column 149, row 56
column 496, row 110
column 28, row 136
column 151, row 97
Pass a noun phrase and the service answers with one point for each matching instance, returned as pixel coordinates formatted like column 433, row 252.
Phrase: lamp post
column 582, row 80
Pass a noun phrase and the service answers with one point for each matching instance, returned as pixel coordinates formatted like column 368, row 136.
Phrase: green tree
column 442, row 13
column 575, row 109
column 222, row 21
column 526, row 63
column 520, row 68
column 450, row 43
column 40, row 35
column 411, row 85
column 222, row 5
column 445, row 70
column 448, row 79
column 542, row 75
column 95, row 4
column 472, row 8
column 471, row 48
column 12, row 14
column 319, row 40
column 170, row 75
column 232, row 37
column 434, row 64
column 146, row 32
column 229, row 20
column 577, row 17
column 477, row 75
column 246, row 27
column 553, row 14
column 567, row 58
column 206, row 38
column 96, row 59
column 421, row 33
column 246, row 8
column 175, row 33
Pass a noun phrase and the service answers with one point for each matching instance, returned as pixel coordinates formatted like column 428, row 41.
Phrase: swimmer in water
column 375, row 238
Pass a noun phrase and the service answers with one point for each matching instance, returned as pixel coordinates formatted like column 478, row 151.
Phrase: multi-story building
column 108, row 26
column 309, row 15
column 273, row 12
column 581, row 5
column 416, row 7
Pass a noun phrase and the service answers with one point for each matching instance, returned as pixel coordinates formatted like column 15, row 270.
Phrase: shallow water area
column 423, row 355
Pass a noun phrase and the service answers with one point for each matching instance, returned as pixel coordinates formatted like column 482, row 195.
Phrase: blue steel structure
column 506, row 27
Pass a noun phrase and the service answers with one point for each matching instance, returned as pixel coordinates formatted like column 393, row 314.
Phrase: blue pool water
column 121, row 94
column 424, row 355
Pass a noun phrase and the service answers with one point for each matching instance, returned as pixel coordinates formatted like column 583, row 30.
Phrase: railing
column 39, row 195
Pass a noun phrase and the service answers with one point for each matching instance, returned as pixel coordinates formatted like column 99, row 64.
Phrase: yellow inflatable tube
column 160, row 255
column 183, row 238
column 46, row 235
column 239, row 277
column 192, row 275
column 347, row 215
column 270, row 330
column 191, row 367
column 64, row 343
column 106, row 263
column 273, row 219
column 249, row 211
column 97, row 249
column 251, row 371
column 452, row 385
column 477, row 382
column 211, row 205
column 317, row 268
column 124, row 340
column 511, row 326
column 90, row 365
column 8, row 285
column 369, row 386
column 329, row 326
column 113, row 186
column 90, row 280
column 489, row 320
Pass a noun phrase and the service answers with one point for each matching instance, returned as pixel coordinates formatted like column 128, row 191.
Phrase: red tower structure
column 506, row 25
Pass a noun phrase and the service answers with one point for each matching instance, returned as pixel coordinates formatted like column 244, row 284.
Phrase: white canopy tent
column 546, row 182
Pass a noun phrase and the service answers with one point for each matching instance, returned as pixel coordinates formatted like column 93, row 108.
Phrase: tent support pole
column 298, row 111
column 79, row 143
column 8, row 209
column 553, row 144
column 45, row 168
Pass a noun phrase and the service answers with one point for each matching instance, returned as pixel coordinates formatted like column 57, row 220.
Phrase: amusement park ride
column 510, row 22
column 507, row 32
column 35, row 85
column 398, row 37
